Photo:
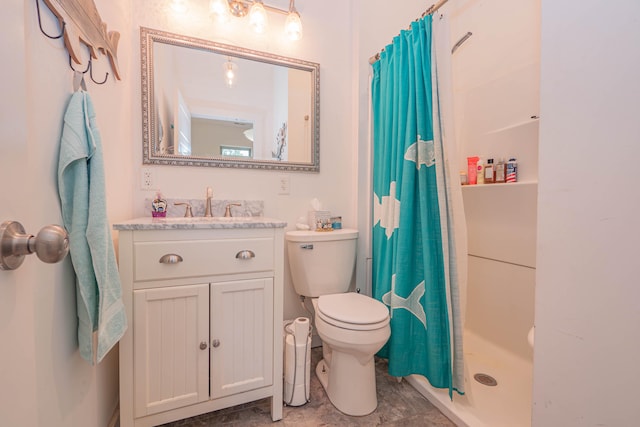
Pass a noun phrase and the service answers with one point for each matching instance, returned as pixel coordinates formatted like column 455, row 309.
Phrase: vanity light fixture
column 293, row 24
column 219, row 9
column 223, row 10
column 230, row 71
column 258, row 17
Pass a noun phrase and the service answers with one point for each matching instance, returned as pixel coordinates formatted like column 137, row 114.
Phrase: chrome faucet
column 227, row 209
column 207, row 204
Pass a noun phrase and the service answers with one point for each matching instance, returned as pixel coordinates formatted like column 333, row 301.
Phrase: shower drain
column 485, row 379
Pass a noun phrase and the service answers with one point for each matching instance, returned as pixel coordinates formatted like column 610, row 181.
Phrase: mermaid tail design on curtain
column 414, row 262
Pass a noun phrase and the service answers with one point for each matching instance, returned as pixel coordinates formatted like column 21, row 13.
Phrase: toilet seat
column 352, row 311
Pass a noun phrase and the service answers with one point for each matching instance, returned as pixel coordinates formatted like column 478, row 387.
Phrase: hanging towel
column 84, row 212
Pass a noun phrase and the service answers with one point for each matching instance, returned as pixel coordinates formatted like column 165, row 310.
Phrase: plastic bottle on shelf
column 480, row 168
column 500, row 175
column 489, row 173
column 472, row 165
column 463, row 178
column 512, row 170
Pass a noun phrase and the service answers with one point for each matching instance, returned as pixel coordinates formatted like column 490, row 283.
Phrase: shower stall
column 496, row 107
column 499, row 310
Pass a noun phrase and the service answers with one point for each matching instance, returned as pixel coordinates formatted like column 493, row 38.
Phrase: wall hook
column 40, row 24
column 91, row 74
column 90, row 70
column 83, row 72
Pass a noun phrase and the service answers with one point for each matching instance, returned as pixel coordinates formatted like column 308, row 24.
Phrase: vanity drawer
column 202, row 258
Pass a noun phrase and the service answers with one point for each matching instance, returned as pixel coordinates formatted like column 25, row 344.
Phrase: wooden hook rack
column 80, row 22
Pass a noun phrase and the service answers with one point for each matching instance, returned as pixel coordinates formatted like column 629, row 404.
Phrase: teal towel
column 84, row 212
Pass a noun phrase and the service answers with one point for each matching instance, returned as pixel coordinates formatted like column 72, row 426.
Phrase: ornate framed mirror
column 210, row 104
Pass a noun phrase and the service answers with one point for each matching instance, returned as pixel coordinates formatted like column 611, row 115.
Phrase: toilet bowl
column 353, row 328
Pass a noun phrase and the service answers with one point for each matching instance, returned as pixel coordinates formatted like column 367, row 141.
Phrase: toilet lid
column 353, row 309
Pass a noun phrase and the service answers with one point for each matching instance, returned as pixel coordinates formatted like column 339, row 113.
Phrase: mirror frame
column 150, row 36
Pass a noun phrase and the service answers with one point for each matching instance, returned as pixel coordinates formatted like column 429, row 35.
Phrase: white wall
column 327, row 40
column 587, row 312
column 44, row 380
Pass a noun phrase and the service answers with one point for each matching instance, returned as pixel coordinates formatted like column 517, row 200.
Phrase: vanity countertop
column 199, row 223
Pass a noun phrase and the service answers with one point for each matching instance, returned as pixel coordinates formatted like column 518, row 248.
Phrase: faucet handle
column 227, row 209
column 187, row 213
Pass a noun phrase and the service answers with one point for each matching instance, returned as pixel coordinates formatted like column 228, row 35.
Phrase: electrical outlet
column 284, row 184
column 147, row 179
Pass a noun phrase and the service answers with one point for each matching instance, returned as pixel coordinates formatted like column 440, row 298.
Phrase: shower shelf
column 510, row 184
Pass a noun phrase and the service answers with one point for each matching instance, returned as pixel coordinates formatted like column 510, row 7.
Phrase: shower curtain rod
column 429, row 11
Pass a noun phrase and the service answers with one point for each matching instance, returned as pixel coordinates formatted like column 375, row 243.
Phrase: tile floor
column 399, row 404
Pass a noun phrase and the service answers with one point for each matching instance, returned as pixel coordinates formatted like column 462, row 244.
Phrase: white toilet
column 353, row 327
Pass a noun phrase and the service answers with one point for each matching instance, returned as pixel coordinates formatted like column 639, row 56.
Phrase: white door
column 17, row 358
column 171, row 350
column 241, row 336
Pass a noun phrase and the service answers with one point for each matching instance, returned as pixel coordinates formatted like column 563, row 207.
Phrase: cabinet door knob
column 203, row 345
column 215, row 343
column 246, row 254
column 170, row 259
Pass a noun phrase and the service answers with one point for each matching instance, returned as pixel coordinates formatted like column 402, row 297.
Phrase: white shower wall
column 496, row 91
column 496, row 76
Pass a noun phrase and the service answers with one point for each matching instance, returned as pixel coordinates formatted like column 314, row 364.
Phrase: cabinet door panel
column 242, row 322
column 171, row 370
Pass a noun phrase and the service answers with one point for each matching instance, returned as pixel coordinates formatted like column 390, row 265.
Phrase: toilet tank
column 321, row 262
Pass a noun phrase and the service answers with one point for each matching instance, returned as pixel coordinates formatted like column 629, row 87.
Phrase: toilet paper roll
column 301, row 330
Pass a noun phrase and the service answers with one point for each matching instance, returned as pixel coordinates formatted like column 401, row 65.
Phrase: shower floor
column 508, row 404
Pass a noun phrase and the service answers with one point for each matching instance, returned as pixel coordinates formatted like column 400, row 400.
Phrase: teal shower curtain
column 414, row 270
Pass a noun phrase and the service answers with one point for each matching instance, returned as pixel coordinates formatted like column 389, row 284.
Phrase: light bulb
column 220, row 10
column 293, row 25
column 179, row 6
column 258, row 17
column 230, row 73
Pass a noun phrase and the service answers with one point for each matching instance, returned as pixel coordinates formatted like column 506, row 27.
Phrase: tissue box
column 317, row 218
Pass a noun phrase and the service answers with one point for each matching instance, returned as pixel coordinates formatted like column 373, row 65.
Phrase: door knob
column 215, row 343
column 203, row 345
column 51, row 244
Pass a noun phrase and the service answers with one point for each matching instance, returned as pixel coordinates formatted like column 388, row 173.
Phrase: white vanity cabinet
column 204, row 306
